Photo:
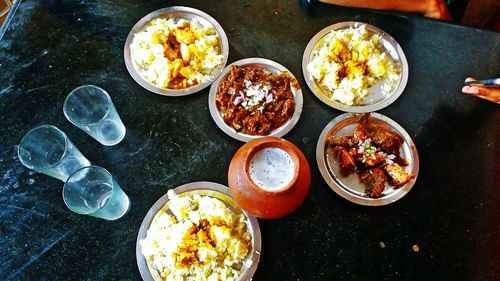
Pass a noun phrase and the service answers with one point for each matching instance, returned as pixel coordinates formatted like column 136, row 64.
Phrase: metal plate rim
column 130, row 65
column 366, row 201
column 253, row 225
column 279, row 132
column 316, row 89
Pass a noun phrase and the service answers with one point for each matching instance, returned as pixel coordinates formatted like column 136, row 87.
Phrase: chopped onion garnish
column 269, row 98
column 254, row 96
column 238, row 100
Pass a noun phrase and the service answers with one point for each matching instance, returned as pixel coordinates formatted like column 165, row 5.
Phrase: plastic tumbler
column 90, row 108
column 48, row 150
column 93, row 191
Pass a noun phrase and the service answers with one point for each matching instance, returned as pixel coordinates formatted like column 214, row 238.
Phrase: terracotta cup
column 264, row 203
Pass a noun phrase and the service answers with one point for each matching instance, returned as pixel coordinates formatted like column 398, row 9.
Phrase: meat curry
column 255, row 101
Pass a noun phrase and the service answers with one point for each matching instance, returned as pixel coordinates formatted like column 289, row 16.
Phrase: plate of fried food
column 176, row 51
column 197, row 232
column 355, row 67
column 367, row 158
column 255, row 97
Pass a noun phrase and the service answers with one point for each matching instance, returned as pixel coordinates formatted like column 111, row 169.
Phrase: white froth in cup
column 271, row 168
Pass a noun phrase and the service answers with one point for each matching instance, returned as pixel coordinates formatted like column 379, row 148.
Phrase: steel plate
column 350, row 187
column 270, row 66
column 211, row 189
column 376, row 99
column 177, row 12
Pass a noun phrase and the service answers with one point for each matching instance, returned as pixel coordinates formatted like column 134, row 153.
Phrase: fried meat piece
column 360, row 131
column 386, row 140
column 381, row 135
column 397, row 175
column 344, row 141
column 347, row 165
column 374, row 181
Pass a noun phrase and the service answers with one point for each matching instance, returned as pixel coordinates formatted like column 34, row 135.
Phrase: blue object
column 307, row 4
column 10, row 15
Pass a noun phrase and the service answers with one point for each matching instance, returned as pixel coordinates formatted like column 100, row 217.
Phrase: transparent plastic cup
column 90, row 108
column 46, row 149
column 93, row 191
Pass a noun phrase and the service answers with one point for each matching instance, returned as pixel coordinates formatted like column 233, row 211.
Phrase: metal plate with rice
column 376, row 98
column 215, row 190
column 176, row 12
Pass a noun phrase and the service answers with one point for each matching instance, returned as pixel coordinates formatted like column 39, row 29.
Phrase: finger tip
column 470, row 90
column 468, row 79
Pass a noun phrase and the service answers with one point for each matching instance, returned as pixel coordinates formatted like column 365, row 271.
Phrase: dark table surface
column 451, row 214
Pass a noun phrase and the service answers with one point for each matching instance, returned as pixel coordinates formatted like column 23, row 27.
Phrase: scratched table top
column 445, row 228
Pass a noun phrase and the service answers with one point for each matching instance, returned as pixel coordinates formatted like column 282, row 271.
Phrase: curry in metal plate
column 255, row 97
column 355, row 56
column 367, row 158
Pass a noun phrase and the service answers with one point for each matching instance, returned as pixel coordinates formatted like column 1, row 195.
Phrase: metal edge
column 317, row 90
column 279, row 132
column 365, row 201
column 8, row 19
column 253, row 225
column 172, row 92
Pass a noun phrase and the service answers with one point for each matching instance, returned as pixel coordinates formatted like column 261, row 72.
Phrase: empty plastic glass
column 93, row 191
column 48, row 150
column 90, row 108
